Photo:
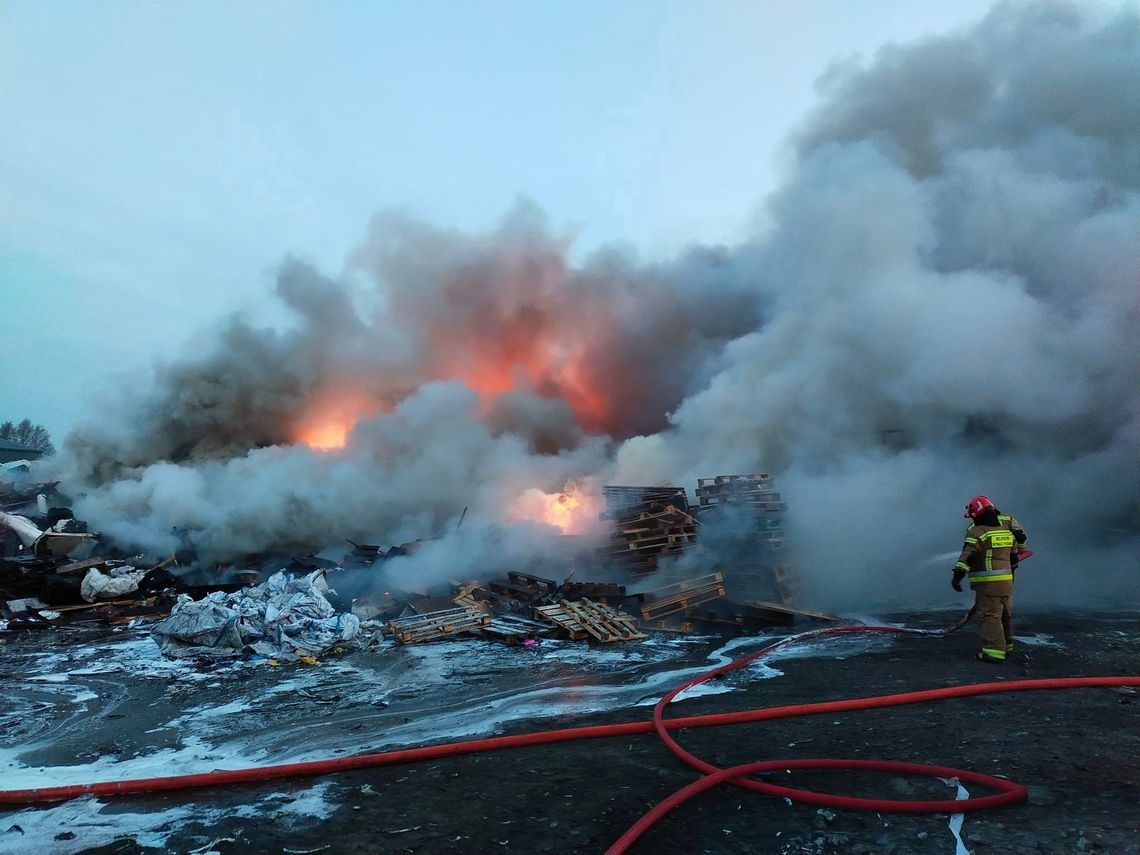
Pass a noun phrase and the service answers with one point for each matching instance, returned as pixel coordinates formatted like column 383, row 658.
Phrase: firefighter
column 985, row 557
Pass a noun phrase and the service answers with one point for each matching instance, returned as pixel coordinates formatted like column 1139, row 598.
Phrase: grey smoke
column 955, row 259
column 943, row 302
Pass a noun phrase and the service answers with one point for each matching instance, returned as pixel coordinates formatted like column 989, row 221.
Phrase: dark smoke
column 942, row 303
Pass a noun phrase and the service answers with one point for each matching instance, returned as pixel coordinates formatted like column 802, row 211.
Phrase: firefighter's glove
column 956, row 583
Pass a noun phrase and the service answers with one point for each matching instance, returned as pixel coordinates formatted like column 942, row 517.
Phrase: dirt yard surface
column 1078, row 751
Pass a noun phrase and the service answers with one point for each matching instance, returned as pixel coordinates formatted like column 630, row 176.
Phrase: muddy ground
column 1078, row 751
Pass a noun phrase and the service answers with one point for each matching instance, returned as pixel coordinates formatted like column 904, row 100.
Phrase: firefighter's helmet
column 977, row 506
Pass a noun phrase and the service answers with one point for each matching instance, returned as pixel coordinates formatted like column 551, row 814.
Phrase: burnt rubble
column 667, row 565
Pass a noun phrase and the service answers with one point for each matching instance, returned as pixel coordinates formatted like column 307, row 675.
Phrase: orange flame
column 330, row 418
column 519, row 353
column 572, row 511
column 560, row 512
column 534, row 360
column 325, row 437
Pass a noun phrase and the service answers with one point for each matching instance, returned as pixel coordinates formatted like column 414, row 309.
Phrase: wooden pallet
column 468, row 596
column 656, row 544
column 593, row 590
column 758, row 503
column 652, row 515
column 434, row 625
column 721, row 480
column 625, row 498
column 754, row 491
column 585, row 619
column 632, row 535
column 523, row 586
column 684, row 627
column 514, row 628
column 682, row 595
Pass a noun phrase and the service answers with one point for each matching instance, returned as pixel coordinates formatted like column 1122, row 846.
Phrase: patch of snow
column 193, row 756
column 96, row 823
column 92, row 826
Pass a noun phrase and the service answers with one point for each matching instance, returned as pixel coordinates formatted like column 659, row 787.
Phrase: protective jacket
column 986, row 554
column 1010, row 522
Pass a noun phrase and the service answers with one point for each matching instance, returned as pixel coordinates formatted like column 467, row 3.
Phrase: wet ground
column 79, row 707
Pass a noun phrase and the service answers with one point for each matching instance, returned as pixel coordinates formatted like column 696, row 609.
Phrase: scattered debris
column 282, row 619
column 102, row 583
column 64, row 537
column 734, row 578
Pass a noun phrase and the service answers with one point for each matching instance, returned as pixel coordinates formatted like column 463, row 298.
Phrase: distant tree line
column 26, row 433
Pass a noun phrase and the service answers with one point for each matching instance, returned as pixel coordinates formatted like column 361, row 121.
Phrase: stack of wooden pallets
column 648, row 522
column 755, row 491
column 741, row 517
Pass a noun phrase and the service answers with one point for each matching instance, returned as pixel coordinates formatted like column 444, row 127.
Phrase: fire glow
column 572, row 511
column 325, row 437
column 503, row 342
column 538, row 368
column 331, row 416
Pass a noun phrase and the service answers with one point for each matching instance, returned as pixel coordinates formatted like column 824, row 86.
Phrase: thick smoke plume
column 942, row 302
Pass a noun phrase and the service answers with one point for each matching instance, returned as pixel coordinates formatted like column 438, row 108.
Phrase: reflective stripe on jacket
column 986, row 554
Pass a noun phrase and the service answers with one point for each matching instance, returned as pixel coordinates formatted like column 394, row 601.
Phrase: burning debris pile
column 735, row 530
column 715, row 563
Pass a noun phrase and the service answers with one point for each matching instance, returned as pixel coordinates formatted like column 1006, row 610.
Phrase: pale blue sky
column 158, row 159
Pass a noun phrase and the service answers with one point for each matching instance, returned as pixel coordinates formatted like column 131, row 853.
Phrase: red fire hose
column 1008, row 792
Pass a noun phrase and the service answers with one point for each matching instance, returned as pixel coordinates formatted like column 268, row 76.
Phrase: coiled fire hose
column 1007, row 792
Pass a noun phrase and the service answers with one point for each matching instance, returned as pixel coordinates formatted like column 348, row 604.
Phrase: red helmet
column 976, row 506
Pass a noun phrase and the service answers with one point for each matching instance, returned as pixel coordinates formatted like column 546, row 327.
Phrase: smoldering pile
column 660, row 548
column 940, row 302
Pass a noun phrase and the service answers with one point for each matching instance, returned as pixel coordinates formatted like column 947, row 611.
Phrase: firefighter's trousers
column 995, row 617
